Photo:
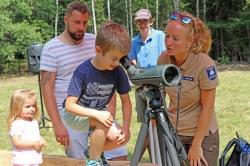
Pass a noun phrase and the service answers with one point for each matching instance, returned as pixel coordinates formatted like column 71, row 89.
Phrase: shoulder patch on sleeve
column 211, row 73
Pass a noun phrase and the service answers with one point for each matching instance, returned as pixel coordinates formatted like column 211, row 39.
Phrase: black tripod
column 172, row 152
column 34, row 54
column 43, row 117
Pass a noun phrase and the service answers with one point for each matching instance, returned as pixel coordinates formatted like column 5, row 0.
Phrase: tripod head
column 154, row 96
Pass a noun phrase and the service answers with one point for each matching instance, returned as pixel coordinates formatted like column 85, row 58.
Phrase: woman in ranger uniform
column 188, row 42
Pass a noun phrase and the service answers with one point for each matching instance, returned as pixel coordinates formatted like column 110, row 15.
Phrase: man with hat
column 149, row 43
column 145, row 50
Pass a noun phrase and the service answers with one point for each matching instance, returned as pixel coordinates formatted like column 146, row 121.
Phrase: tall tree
column 131, row 18
column 204, row 10
column 197, row 8
column 100, row 12
column 56, row 18
column 127, row 14
column 93, row 12
column 229, row 21
column 146, row 3
column 157, row 14
column 108, row 6
column 176, row 5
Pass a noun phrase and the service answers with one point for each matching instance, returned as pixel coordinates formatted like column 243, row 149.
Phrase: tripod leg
column 41, row 100
column 163, row 151
column 166, row 137
column 157, row 146
column 151, row 143
column 43, row 118
column 140, row 143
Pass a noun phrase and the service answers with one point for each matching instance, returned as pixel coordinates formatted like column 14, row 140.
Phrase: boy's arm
column 104, row 117
column 112, row 105
column 127, row 113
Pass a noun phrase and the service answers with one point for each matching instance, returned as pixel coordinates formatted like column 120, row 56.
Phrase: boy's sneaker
column 97, row 162
column 104, row 161
column 86, row 152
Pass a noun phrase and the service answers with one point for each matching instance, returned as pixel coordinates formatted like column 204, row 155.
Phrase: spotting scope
column 165, row 75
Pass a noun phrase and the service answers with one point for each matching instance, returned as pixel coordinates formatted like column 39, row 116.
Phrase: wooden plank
column 55, row 160
column 5, row 158
column 50, row 160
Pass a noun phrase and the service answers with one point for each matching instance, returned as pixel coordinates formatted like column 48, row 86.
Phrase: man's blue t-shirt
column 95, row 88
column 146, row 53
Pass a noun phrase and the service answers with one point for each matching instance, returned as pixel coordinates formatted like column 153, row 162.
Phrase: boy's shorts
column 76, row 122
column 82, row 123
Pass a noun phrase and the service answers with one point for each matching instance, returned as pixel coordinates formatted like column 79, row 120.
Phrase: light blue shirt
column 146, row 53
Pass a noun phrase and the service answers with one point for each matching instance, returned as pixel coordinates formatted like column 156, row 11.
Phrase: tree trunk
column 222, row 52
column 127, row 17
column 204, row 10
column 248, row 34
column 157, row 14
column 93, row 12
column 108, row 5
column 176, row 5
column 218, row 52
column 131, row 18
column 56, row 18
column 197, row 8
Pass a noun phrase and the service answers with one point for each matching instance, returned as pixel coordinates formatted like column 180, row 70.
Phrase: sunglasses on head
column 178, row 16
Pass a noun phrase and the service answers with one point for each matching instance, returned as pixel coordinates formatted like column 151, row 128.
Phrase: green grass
column 232, row 108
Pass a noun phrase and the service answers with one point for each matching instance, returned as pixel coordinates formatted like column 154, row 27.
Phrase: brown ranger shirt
column 198, row 72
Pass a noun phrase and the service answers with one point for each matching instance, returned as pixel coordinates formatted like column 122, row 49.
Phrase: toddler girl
column 24, row 130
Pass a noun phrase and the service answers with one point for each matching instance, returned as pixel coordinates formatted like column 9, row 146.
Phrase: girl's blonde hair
column 16, row 104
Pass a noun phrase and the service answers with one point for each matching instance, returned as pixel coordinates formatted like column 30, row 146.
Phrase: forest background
column 24, row 22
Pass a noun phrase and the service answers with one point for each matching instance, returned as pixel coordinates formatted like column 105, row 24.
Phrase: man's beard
column 75, row 36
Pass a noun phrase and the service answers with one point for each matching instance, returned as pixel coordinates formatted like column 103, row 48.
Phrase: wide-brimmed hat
column 142, row 14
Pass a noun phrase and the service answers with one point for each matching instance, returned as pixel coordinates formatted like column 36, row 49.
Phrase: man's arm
column 48, row 89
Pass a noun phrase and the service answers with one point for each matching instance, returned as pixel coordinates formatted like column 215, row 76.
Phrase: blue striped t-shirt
column 63, row 59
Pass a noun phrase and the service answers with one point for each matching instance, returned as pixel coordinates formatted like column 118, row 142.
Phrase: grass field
column 232, row 108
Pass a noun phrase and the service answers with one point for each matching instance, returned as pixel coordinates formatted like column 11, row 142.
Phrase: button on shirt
column 146, row 53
